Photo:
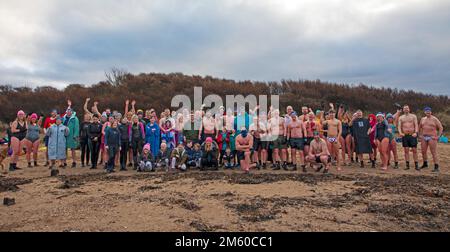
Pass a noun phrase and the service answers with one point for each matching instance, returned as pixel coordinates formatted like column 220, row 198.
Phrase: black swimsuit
column 22, row 131
column 345, row 130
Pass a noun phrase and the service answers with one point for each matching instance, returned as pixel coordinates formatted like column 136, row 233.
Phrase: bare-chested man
column 430, row 129
column 244, row 143
column 208, row 127
column 304, row 116
column 296, row 131
column 258, row 131
column 334, row 133
column 277, row 130
column 408, row 128
column 319, row 153
column 311, row 126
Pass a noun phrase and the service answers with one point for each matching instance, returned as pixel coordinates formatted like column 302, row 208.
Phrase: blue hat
column 389, row 115
column 427, row 109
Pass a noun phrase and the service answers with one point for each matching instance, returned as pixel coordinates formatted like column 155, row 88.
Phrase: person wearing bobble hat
column 430, row 129
column 146, row 160
column 209, row 155
column 57, row 142
column 32, row 139
column 18, row 133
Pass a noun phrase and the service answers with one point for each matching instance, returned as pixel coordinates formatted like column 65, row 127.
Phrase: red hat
column 209, row 140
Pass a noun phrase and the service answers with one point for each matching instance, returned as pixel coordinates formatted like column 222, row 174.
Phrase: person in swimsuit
column 311, row 127
column 244, row 144
column 346, row 139
column 373, row 122
column 430, row 129
column 319, row 153
column 208, row 127
column 334, row 131
column 408, row 128
column 392, row 121
column 382, row 138
column 296, row 131
column 277, row 131
column 32, row 139
column 19, row 131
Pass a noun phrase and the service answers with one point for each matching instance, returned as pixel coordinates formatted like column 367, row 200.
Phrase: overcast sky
column 401, row 44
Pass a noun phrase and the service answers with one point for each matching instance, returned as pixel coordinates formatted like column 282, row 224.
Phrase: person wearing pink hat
column 209, row 154
column 19, row 131
column 146, row 160
column 32, row 139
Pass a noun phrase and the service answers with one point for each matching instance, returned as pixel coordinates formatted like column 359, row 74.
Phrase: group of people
column 146, row 141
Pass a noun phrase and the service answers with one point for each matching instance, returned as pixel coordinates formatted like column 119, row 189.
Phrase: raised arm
column 127, row 103
column 95, row 109
column 340, row 113
column 133, row 109
column 85, row 107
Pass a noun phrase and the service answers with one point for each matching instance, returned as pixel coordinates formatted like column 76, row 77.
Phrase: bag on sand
column 443, row 139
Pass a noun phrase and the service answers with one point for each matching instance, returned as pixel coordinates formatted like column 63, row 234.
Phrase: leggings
column 112, row 152
column 136, row 146
column 85, row 152
column 32, row 147
column 16, row 146
column 94, row 148
column 124, row 154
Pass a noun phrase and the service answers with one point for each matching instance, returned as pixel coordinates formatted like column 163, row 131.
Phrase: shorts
column 279, row 143
column 320, row 161
column 265, row 145
column 240, row 155
column 297, row 143
column 308, row 140
column 409, row 141
column 257, row 143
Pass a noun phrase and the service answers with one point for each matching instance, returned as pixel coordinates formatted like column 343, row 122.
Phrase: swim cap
column 209, row 140
column 316, row 133
column 34, row 115
column 147, row 147
column 427, row 109
column 20, row 113
column 389, row 116
column 380, row 114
